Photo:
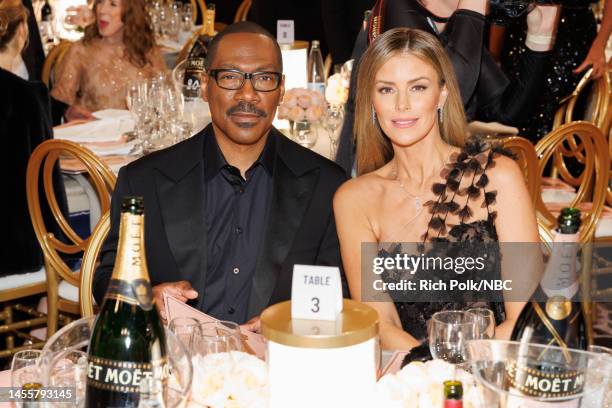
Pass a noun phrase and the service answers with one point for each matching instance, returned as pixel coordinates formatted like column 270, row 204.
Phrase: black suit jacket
column 300, row 223
column 25, row 122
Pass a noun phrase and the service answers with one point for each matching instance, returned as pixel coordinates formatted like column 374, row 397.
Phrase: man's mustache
column 246, row 107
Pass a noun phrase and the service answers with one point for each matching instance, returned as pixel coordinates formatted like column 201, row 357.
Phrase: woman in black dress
column 25, row 122
column 421, row 182
column 577, row 47
column 487, row 93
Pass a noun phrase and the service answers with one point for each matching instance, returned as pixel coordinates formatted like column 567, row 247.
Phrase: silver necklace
column 418, row 205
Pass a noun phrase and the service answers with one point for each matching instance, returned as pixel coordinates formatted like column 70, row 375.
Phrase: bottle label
column 553, row 383
column 137, row 292
column 124, row 376
column 453, row 403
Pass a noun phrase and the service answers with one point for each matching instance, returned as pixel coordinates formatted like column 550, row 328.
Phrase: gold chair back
column 41, row 164
column 88, row 266
column 53, row 60
column 583, row 142
column 598, row 104
column 243, row 11
column 327, row 66
column 527, row 160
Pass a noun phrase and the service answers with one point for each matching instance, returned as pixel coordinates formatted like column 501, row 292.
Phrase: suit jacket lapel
column 290, row 199
column 181, row 192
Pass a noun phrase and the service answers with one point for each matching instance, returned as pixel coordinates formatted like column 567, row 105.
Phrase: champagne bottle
column 559, row 320
column 196, row 59
column 453, row 394
column 128, row 343
column 46, row 13
column 316, row 71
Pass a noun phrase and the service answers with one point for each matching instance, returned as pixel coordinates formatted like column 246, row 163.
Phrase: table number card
column 316, row 292
column 285, row 32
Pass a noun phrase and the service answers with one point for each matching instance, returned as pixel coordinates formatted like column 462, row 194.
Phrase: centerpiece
column 303, row 108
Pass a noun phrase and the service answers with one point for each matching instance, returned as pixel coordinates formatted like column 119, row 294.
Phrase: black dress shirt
column 235, row 219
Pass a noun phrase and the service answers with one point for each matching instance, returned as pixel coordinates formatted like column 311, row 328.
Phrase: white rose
column 415, row 376
column 440, row 371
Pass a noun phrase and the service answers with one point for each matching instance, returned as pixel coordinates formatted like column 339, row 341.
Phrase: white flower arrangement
column 229, row 380
column 337, row 90
column 420, row 385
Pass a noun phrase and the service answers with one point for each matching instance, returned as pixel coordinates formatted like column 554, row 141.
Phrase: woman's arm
column 68, row 81
column 517, row 231
column 597, row 53
column 354, row 228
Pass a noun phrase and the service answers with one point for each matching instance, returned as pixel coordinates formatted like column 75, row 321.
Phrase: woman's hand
column 542, row 26
column 75, row 112
column 595, row 58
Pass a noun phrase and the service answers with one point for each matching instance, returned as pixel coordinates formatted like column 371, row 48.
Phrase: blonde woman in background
column 420, row 180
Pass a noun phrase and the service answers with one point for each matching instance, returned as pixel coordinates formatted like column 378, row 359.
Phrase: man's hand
column 253, row 325
column 180, row 290
column 75, row 112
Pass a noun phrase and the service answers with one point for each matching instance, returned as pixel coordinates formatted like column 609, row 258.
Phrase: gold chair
column 327, row 66
column 243, row 11
column 585, row 143
column 62, row 282
column 527, row 160
column 598, row 104
column 198, row 7
column 53, row 60
column 90, row 261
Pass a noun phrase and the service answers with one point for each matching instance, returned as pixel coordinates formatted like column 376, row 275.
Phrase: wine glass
column 217, row 337
column 185, row 328
column 332, row 122
column 449, row 333
column 485, row 320
column 25, row 372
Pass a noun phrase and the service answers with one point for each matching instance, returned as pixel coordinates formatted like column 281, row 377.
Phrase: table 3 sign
column 316, row 292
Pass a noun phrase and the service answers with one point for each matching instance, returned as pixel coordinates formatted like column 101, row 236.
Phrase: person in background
column 487, row 93
column 232, row 209
column 118, row 48
column 578, row 46
column 25, row 122
column 342, row 20
column 33, row 54
column 420, row 181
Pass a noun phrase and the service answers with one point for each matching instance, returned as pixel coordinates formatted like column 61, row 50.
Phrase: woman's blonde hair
column 373, row 146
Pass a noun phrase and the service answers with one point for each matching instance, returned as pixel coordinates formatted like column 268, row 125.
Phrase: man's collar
column 214, row 160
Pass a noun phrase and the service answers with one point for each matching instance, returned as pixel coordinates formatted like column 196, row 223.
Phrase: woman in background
column 420, row 181
column 118, row 48
column 25, row 122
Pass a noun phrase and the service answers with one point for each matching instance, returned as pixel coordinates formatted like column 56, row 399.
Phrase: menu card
column 253, row 343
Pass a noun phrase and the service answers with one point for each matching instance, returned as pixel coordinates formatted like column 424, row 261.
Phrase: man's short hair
column 241, row 27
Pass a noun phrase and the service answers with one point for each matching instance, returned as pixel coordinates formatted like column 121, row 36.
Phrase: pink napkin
column 175, row 308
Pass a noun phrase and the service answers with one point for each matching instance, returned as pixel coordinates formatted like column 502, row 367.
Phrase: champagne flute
column 485, row 321
column 449, row 333
column 25, row 373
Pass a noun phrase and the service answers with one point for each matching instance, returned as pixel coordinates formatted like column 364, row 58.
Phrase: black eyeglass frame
column 245, row 75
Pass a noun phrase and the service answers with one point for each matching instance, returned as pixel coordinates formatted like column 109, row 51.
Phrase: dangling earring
column 373, row 115
column 440, row 115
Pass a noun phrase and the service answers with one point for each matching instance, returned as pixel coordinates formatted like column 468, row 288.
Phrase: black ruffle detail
column 438, row 188
column 483, row 181
column 465, row 213
column 453, row 185
column 437, row 223
column 473, row 192
column 489, row 198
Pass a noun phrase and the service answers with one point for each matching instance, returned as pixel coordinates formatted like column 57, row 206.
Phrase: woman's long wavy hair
column 374, row 148
column 138, row 35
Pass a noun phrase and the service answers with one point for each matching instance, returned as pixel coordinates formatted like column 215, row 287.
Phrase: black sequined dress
column 465, row 187
column 576, row 31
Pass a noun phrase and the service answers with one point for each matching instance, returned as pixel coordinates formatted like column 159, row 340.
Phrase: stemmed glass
column 332, row 121
column 187, row 329
column 449, row 333
column 187, row 18
column 485, row 320
column 25, row 372
column 217, row 337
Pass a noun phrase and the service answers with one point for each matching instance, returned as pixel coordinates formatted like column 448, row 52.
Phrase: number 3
column 315, row 306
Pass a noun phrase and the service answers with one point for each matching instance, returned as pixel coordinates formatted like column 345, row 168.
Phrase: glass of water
column 25, row 374
column 449, row 332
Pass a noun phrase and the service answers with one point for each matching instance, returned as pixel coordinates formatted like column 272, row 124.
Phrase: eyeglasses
column 233, row 79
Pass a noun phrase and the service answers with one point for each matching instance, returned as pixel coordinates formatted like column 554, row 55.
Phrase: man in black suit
column 231, row 210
